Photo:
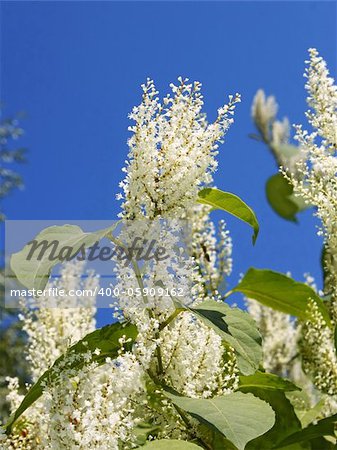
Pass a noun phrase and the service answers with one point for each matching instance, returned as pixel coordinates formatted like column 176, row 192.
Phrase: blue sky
column 76, row 67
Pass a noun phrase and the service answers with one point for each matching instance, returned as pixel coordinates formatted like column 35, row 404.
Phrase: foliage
column 194, row 372
column 108, row 342
column 239, row 417
column 231, row 203
column 280, row 292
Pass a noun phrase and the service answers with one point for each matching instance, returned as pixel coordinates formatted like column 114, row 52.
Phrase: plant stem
column 227, row 294
column 170, row 318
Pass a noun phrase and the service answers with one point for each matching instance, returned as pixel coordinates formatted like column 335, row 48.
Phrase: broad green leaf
column 33, row 270
column 171, row 444
column 232, row 204
column 308, row 416
column 106, row 339
column 324, row 427
column 268, row 381
column 280, row 292
column 239, row 417
column 321, row 443
column 286, row 420
column 214, row 439
column 142, row 432
column 279, row 194
column 301, row 401
column 237, row 328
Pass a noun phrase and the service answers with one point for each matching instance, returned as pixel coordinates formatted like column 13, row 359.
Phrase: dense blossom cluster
column 172, row 151
column 93, row 401
column 312, row 172
column 53, row 324
column 282, row 353
column 51, row 327
column 211, row 249
column 195, row 360
column 279, row 349
column 318, row 187
column 311, row 168
column 322, row 100
column 177, row 147
column 172, row 154
column 318, row 351
column 117, row 403
column 275, row 133
column 95, row 407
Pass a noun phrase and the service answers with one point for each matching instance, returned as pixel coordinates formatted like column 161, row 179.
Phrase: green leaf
column 286, row 420
column 142, row 432
column 106, row 339
column 33, row 270
column 171, row 444
column 280, row 292
column 325, row 427
column 232, row 204
column 309, row 415
column 214, row 439
column 237, row 328
column 280, row 197
column 239, row 417
column 268, row 381
column 321, row 443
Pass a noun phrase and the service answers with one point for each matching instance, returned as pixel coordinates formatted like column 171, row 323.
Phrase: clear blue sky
column 76, row 67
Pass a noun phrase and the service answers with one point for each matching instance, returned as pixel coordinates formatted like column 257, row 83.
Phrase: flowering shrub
column 305, row 351
column 191, row 371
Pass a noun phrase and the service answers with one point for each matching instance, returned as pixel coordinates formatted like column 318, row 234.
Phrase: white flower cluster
column 282, row 355
column 315, row 181
column 211, row 250
column 94, row 407
column 275, row 133
column 264, row 112
column 53, row 324
column 280, row 337
column 322, row 99
column 312, row 170
column 283, row 351
column 318, row 183
column 196, row 363
column 50, row 331
column 172, row 273
column 318, row 351
column 172, row 151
